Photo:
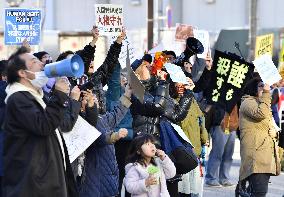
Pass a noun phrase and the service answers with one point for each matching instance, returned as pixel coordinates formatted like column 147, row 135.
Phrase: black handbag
column 179, row 150
column 184, row 159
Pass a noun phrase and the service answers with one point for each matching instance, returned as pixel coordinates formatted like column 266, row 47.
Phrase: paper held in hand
column 266, row 69
column 80, row 138
column 176, row 73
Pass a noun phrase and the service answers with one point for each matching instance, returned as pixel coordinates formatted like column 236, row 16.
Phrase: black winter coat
column 100, row 78
column 146, row 116
column 33, row 161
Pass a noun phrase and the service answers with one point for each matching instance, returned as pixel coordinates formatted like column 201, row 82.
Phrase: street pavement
column 275, row 189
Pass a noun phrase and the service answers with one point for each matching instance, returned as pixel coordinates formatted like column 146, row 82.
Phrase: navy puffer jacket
column 100, row 176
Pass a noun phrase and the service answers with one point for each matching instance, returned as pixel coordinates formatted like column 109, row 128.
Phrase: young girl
column 146, row 174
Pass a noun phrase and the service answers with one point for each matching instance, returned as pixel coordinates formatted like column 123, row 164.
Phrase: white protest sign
column 109, row 18
column 176, row 73
column 123, row 53
column 266, row 69
column 203, row 37
column 80, row 138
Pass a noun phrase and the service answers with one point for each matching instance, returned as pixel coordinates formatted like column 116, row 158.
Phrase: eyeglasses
column 261, row 85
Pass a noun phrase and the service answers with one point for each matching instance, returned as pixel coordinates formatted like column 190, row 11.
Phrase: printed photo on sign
column 263, row 45
column 183, row 32
column 109, row 18
column 266, row 69
column 21, row 24
column 229, row 77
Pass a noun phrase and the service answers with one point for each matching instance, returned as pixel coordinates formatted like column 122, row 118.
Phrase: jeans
column 220, row 158
column 259, row 184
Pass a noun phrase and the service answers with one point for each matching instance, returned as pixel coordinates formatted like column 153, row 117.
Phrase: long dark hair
column 135, row 153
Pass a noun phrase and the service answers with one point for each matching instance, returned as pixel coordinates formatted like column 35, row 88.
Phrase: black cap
column 147, row 58
column 40, row 54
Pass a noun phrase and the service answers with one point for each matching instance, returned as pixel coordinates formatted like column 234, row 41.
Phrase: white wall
column 216, row 16
column 270, row 13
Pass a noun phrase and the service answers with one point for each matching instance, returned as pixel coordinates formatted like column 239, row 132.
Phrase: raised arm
column 88, row 53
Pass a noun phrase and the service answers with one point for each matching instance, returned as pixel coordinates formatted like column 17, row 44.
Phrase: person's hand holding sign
column 95, row 34
column 121, row 37
column 208, row 61
column 190, row 84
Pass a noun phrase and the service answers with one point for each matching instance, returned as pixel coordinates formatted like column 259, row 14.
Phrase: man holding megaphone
column 36, row 161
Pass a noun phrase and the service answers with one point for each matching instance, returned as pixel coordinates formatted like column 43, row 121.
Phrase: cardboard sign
column 229, row 77
column 80, row 138
column 203, row 37
column 21, row 24
column 266, row 69
column 176, row 73
column 263, row 45
column 123, row 53
column 109, row 18
column 183, row 32
column 137, row 87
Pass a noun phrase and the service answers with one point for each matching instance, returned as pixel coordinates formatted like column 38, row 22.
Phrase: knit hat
column 147, row 58
column 40, row 54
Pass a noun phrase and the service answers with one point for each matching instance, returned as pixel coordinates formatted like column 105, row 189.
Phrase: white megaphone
column 71, row 67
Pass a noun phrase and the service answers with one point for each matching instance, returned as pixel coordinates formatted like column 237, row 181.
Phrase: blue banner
column 21, row 24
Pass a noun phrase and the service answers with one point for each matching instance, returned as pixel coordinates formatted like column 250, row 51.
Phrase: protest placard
column 80, row 138
column 281, row 59
column 123, row 53
column 22, row 23
column 137, row 87
column 183, row 32
column 203, row 37
column 266, row 69
column 109, row 18
column 176, row 73
column 263, row 45
column 229, row 77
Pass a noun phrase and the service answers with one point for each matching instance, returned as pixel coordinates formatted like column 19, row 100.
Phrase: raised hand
column 121, row 37
column 190, row 84
column 95, row 34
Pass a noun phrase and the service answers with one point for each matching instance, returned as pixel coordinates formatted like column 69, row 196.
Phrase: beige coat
column 259, row 151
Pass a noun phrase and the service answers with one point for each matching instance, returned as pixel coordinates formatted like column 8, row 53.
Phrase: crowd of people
column 140, row 151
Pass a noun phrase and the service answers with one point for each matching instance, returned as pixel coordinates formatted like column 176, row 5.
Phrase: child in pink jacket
column 146, row 174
